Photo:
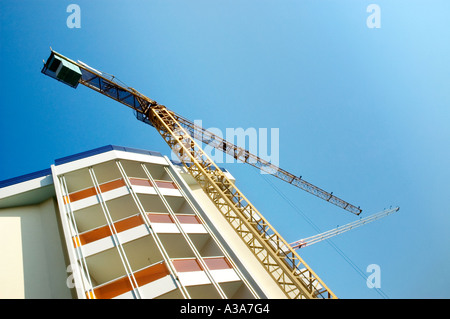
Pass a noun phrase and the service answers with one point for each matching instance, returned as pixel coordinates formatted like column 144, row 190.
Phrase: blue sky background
column 362, row 112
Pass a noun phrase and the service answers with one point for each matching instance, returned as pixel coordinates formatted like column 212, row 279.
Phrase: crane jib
column 72, row 73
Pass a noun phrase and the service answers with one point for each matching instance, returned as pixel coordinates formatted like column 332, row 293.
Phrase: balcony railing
column 116, row 188
column 186, row 268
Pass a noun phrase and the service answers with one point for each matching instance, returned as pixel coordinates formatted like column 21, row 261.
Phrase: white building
column 116, row 222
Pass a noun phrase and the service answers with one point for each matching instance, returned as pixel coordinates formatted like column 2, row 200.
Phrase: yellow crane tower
column 281, row 261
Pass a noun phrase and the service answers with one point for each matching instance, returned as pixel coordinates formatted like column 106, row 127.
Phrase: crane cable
column 331, row 243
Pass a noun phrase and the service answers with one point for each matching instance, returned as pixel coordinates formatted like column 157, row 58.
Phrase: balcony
column 145, row 186
column 192, row 273
column 132, row 227
column 155, row 281
column 117, row 188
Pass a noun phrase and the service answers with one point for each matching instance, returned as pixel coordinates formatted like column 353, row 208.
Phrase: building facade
column 117, row 222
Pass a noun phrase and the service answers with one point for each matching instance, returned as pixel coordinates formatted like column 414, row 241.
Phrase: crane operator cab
column 62, row 70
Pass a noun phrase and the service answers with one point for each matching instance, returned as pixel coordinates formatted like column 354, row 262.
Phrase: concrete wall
column 32, row 261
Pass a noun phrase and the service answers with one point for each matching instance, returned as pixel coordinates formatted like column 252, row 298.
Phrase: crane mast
column 295, row 278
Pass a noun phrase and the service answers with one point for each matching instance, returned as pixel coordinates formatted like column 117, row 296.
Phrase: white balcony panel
column 158, row 287
column 109, row 156
column 127, row 295
column 192, row 278
column 170, row 191
column 97, row 246
column 133, row 233
column 165, row 228
column 93, row 200
column 144, row 190
column 224, row 275
column 194, row 228
column 171, row 228
column 85, row 202
column 107, row 242
column 151, row 190
column 114, row 193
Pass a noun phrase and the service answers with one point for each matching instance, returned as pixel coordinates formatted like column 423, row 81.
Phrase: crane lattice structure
column 295, row 278
column 342, row 229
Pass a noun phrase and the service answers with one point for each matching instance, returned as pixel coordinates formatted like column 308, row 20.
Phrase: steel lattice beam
column 285, row 266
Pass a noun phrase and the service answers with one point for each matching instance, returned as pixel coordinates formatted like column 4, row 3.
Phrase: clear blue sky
column 362, row 112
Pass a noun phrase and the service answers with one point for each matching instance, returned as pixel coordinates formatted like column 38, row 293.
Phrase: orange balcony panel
column 113, row 289
column 104, row 231
column 183, row 265
column 90, row 294
column 88, row 192
column 123, row 285
column 112, row 185
column 152, row 273
column 128, row 223
column 95, row 234
column 76, row 241
column 217, row 263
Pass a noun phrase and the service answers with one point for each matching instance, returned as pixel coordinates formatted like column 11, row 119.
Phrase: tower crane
column 294, row 277
column 342, row 229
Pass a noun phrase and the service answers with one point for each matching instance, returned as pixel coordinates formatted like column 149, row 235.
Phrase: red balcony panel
column 166, row 184
column 146, row 182
column 160, row 218
column 188, row 219
column 140, row 182
column 214, row 263
column 183, row 265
